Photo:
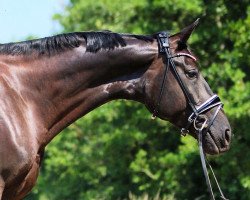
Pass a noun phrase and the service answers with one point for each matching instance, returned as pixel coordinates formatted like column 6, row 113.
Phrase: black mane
column 95, row 41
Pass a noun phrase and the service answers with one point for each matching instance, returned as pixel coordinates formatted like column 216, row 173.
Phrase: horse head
column 177, row 92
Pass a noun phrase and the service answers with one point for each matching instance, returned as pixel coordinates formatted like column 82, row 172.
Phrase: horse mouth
column 211, row 145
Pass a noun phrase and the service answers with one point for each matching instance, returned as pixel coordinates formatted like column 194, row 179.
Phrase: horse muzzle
column 217, row 138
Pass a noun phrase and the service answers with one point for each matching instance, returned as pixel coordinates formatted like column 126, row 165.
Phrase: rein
column 197, row 112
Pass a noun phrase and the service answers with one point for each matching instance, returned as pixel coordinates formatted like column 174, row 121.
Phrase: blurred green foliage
column 116, row 151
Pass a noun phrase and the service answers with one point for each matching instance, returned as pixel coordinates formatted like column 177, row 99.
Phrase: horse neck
column 71, row 84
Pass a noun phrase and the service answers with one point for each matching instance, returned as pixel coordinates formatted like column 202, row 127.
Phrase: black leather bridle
column 197, row 111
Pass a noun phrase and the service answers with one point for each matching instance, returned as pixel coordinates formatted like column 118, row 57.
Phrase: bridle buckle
column 164, row 43
column 184, row 132
column 203, row 125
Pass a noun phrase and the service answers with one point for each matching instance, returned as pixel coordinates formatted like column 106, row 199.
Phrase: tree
column 116, row 149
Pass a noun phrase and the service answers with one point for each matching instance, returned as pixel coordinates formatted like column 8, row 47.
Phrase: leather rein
column 197, row 111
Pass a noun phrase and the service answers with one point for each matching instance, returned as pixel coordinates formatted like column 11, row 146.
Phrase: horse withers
column 49, row 83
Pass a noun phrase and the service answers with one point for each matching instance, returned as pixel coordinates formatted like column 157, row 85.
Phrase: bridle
column 197, row 111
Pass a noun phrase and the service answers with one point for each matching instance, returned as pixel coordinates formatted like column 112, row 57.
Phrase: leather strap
column 204, row 168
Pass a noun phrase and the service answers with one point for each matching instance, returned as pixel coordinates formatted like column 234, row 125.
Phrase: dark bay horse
column 47, row 84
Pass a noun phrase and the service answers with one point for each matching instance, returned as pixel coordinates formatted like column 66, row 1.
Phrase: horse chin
column 209, row 145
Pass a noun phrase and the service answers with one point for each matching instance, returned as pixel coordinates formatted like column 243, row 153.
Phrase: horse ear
column 186, row 32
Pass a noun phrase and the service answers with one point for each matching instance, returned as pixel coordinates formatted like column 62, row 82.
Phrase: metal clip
column 163, row 42
column 204, row 124
column 184, row 132
column 153, row 117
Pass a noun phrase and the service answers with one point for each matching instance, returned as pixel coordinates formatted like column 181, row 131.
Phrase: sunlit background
column 22, row 18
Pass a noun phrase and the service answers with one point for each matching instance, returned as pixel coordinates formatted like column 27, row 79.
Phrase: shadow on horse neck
column 64, row 77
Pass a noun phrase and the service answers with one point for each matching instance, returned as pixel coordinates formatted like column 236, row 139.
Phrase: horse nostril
column 227, row 137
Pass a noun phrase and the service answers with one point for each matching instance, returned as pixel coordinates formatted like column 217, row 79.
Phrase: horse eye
column 192, row 74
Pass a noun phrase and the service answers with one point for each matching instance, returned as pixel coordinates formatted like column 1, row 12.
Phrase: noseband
column 197, row 111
